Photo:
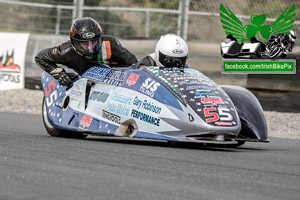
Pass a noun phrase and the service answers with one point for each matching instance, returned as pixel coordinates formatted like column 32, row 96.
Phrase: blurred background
column 195, row 20
column 138, row 24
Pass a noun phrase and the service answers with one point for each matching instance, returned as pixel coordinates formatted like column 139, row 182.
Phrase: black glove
column 62, row 77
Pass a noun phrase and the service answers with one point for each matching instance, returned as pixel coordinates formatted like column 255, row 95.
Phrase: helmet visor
column 87, row 48
column 169, row 61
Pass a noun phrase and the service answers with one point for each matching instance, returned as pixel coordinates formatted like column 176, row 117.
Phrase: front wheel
column 238, row 144
column 275, row 52
column 55, row 132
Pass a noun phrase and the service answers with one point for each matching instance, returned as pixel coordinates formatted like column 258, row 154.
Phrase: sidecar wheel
column 275, row 52
column 239, row 143
column 55, row 132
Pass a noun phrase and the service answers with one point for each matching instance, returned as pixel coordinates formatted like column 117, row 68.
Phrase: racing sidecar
column 177, row 105
column 233, row 49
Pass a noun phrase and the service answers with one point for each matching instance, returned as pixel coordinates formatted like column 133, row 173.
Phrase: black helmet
column 85, row 35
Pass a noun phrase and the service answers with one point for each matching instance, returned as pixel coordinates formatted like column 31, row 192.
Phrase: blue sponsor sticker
column 115, row 77
column 202, row 87
column 99, row 96
column 120, row 98
column 199, row 94
column 146, row 105
column 145, row 117
column 149, row 87
column 96, row 73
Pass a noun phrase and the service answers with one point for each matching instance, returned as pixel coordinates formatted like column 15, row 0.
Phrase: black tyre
column 275, row 52
column 240, row 143
column 258, row 55
column 55, row 132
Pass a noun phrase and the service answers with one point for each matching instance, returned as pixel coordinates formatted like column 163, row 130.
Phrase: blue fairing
column 118, row 77
column 70, row 119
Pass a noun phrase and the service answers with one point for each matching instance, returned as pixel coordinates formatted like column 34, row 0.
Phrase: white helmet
column 171, row 51
column 293, row 35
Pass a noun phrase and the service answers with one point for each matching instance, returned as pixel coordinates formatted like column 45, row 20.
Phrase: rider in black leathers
column 285, row 40
column 87, row 47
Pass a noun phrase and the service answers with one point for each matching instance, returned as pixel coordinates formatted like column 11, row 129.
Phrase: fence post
column 77, row 11
column 184, row 18
column 147, row 28
column 58, row 18
column 179, row 17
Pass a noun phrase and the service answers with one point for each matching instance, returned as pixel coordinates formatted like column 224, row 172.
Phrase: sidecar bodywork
column 156, row 103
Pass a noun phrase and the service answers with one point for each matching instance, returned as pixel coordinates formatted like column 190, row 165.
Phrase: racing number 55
column 53, row 96
column 211, row 115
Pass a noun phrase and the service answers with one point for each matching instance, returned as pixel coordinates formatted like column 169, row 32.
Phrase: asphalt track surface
column 34, row 165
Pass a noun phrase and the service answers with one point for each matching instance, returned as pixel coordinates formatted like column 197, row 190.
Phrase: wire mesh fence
column 136, row 18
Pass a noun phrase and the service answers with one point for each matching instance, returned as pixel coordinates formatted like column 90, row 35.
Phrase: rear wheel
column 55, row 132
column 275, row 52
column 238, row 144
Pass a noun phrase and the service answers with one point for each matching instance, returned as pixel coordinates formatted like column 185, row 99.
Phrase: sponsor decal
column 75, row 93
column 202, row 87
column 189, row 82
column 177, row 77
column 199, row 94
column 88, row 35
column 212, row 100
column 172, row 69
column 149, row 87
column 122, row 109
column 114, row 77
column 99, row 96
column 177, row 51
column 132, row 79
column 111, row 106
column 97, row 73
column 86, row 121
column 145, row 117
column 117, row 108
column 121, row 98
column 111, row 117
column 146, row 105
column 224, row 123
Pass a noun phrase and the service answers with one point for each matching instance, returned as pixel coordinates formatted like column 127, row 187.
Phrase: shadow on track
column 165, row 144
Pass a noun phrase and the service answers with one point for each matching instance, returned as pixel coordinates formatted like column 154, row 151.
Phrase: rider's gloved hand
column 62, row 77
